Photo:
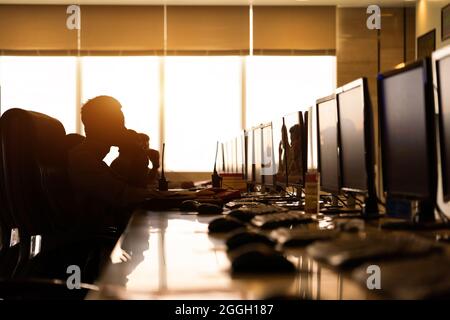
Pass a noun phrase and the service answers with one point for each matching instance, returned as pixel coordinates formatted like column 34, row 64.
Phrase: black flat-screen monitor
column 234, row 155
column 406, row 115
column 220, row 159
column 441, row 65
column 356, row 137
column 268, row 161
column 290, row 137
column 241, row 153
column 328, row 144
column 250, row 168
column 257, row 148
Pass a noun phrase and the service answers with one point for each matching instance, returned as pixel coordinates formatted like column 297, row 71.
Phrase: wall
column 428, row 17
column 361, row 52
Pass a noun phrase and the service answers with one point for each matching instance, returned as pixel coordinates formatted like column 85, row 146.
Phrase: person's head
column 103, row 120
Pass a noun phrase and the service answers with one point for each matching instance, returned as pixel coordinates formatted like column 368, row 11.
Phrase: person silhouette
column 105, row 198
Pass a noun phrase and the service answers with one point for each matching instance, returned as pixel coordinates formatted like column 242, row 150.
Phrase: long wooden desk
column 169, row 255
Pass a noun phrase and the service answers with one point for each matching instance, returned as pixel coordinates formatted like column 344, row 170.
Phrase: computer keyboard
column 302, row 236
column 351, row 251
column 281, row 219
column 339, row 210
column 247, row 212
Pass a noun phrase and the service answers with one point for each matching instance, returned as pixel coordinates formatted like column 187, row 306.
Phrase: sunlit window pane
column 277, row 86
column 42, row 84
column 202, row 104
column 134, row 81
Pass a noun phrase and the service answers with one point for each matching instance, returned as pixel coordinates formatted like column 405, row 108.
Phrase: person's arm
column 96, row 178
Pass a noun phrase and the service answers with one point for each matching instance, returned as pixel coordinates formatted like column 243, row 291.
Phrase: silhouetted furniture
column 37, row 199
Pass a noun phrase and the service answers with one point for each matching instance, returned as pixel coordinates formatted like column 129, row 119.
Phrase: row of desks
column 170, row 255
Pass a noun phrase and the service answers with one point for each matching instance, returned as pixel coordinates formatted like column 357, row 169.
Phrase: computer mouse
column 261, row 260
column 189, row 205
column 247, row 237
column 225, row 224
column 208, row 208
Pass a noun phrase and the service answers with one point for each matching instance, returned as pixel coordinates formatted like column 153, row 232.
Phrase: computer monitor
column 290, row 137
column 356, row 144
column 241, row 162
column 230, row 156
column 220, row 159
column 234, row 156
column 406, row 114
column 268, row 161
column 250, row 168
column 257, row 145
column 225, row 156
column 328, row 144
column 441, row 79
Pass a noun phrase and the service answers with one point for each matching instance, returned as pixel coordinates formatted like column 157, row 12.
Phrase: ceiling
column 343, row 3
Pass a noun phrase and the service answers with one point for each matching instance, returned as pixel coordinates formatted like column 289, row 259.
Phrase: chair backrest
column 33, row 155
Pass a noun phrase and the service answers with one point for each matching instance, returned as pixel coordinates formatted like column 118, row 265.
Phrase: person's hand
column 153, row 156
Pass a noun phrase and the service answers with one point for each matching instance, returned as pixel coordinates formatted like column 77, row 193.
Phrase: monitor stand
column 370, row 209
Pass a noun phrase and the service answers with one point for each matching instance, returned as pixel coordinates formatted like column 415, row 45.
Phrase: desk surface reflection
column 169, row 255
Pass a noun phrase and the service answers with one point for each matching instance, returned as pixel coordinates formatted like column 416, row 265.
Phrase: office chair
column 9, row 234
column 38, row 195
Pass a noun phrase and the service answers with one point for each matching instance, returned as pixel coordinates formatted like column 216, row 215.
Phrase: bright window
column 277, row 86
column 42, row 84
column 134, row 81
column 202, row 104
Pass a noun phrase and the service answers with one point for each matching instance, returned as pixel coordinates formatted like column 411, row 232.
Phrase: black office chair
column 9, row 234
column 38, row 196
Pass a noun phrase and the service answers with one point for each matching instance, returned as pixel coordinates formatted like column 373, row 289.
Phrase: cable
column 358, row 202
column 381, row 203
column 342, row 202
column 442, row 215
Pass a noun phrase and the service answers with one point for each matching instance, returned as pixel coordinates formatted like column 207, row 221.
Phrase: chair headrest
column 31, row 143
column 38, row 135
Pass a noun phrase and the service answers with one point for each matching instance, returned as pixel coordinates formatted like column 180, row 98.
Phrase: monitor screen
column 250, row 156
column 220, row 162
column 257, row 144
column 352, row 134
column 268, row 165
column 290, row 137
column 234, row 155
column 443, row 78
column 240, row 151
column 328, row 145
column 403, row 119
column 228, row 158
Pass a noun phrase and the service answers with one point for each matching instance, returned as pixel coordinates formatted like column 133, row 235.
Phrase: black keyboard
column 247, row 212
column 281, row 219
column 339, row 210
column 302, row 236
column 351, row 251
